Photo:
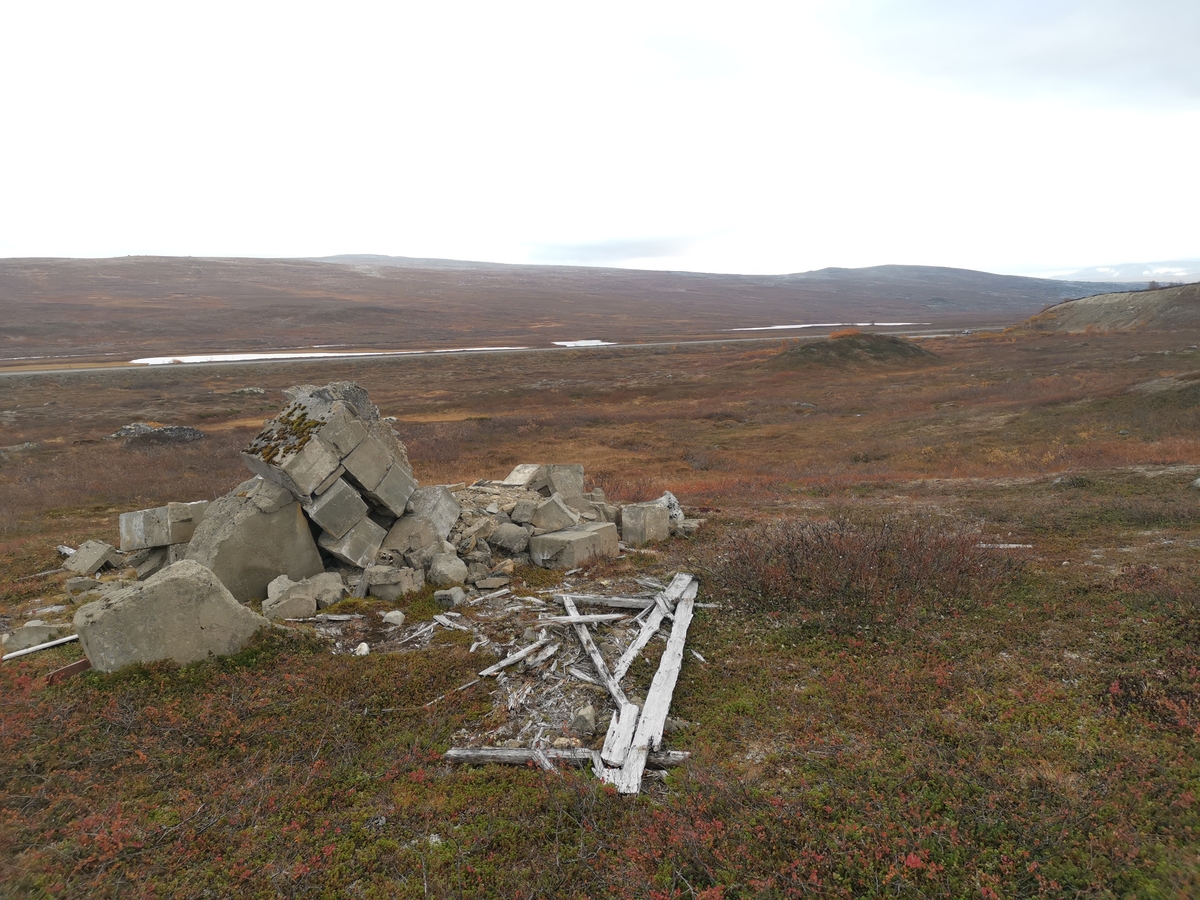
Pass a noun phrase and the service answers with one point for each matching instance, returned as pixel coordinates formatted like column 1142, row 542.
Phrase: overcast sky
column 1024, row 136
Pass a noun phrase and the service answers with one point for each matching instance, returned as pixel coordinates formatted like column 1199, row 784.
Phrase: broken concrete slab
column 671, row 503
column 392, row 583
column 450, row 597
column 79, row 584
column 343, row 429
column 337, row 510
column 510, row 538
column 394, row 491
column 184, row 613
column 644, row 523
column 246, row 548
column 564, row 479
column 414, row 540
column 436, row 504
column 359, row 546
column 171, row 524
column 554, row 515
column 574, row 546
column 446, row 569
column 91, row 557
column 522, row 512
column 529, row 476
column 290, row 604
column 33, row 633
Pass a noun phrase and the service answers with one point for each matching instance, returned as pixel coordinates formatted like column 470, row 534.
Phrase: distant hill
column 1163, row 309
column 153, row 306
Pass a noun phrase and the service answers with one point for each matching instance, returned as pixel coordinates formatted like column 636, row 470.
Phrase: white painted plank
column 683, row 584
column 585, row 638
column 658, row 702
column 597, row 619
column 620, row 735
column 516, row 657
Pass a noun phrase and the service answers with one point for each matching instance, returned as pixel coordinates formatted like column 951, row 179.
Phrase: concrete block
column 510, row 538
column 330, row 481
column 338, row 509
column 644, row 523
column 529, row 476
column 301, row 469
column 153, row 564
column 358, row 546
column 566, row 480
column 342, row 430
column 554, row 515
column 246, row 547
column 368, row 463
column 413, row 539
column 290, row 604
column 394, row 491
column 91, row 557
column 392, row 583
column 570, row 548
column 143, row 528
column 436, row 504
column 446, row 569
column 33, row 633
column 184, row 613
column 523, row 512
column 450, row 597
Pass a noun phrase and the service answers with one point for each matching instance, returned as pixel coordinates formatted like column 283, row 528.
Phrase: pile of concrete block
column 333, row 509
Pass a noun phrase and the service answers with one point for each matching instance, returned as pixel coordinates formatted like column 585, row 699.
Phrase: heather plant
column 849, row 575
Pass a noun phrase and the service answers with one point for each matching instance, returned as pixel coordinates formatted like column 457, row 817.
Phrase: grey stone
column 246, row 547
column 491, row 582
column 583, row 724
column 79, row 584
column 413, row 539
column 395, row 617
column 580, row 503
column 184, row 613
column 358, row 546
column 91, row 557
column 176, row 552
column 644, row 523
column 688, row 527
column 530, row 476
column 596, row 495
column 482, row 528
column 523, row 512
column 450, row 597
column 368, row 463
column 671, row 504
column 327, row 588
column 152, row 564
column 171, row 524
column 572, row 547
column 511, row 538
column 436, row 504
column 31, row 634
column 291, row 604
column 266, row 495
column 338, row 509
column 446, row 569
column 553, row 515
column 320, row 400
column 566, row 480
column 394, row 490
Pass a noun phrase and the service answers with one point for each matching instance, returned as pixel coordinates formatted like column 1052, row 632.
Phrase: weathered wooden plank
column 681, row 583
column 585, row 638
column 480, row 756
column 66, row 672
column 597, row 619
column 620, row 735
column 658, row 703
column 600, row 600
column 447, row 623
column 515, row 658
column 543, row 656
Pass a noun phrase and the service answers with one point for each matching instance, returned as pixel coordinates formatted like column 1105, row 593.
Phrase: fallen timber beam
column 600, row 619
column 679, row 587
column 648, row 736
column 482, row 756
column 599, row 600
column 515, row 658
column 593, row 652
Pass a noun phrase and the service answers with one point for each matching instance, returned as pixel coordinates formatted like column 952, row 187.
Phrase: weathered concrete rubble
column 334, row 508
column 183, row 613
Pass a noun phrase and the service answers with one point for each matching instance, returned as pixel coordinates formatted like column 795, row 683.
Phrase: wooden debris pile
column 542, row 680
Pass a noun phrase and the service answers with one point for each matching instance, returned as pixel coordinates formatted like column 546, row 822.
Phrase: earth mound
column 853, row 349
column 1157, row 310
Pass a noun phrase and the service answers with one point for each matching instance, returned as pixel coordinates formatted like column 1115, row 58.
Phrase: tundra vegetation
column 957, row 651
